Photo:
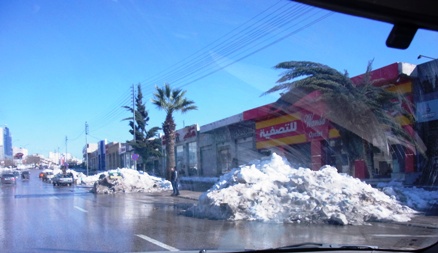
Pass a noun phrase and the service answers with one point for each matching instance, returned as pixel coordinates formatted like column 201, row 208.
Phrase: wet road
column 37, row 217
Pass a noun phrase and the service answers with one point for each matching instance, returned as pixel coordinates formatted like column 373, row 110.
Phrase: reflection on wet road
column 37, row 217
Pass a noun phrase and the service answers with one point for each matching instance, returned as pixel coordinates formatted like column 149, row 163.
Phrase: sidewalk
column 187, row 194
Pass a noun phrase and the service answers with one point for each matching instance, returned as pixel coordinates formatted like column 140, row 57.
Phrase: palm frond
column 363, row 109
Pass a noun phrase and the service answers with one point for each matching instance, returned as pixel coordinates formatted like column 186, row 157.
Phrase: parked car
column 8, row 178
column 25, row 175
column 63, row 179
column 16, row 174
column 47, row 176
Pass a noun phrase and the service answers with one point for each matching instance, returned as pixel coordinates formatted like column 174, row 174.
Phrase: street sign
column 135, row 157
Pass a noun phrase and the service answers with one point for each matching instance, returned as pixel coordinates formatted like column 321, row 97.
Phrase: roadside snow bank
column 125, row 180
column 417, row 198
column 271, row 190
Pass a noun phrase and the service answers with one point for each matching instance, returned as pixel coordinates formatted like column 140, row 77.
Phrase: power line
column 237, row 46
column 202, row 66
column 113, row 113
column 251, row 37
column 203, row 59
column 200, row 53
column 242, row 41
column 249, row 54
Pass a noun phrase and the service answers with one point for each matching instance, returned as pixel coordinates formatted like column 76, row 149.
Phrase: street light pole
column 86, row 145
column 133, row 112
column 66, row 151
column 428, row 57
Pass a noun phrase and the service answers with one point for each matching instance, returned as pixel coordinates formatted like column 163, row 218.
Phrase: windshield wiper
column 307, row 247
column 311, row 246
column 328, row 246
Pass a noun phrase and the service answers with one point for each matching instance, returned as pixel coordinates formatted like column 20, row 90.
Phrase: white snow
column 416, row 198
column 130, row 181
column 271, row 190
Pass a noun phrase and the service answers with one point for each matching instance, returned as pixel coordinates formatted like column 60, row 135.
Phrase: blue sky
column 64, row 63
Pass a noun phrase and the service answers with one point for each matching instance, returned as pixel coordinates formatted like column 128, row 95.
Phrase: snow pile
column 416, row 198
column 124, row 180
column 271, row 190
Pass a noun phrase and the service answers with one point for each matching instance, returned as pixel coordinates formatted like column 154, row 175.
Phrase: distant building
column 5, row 144
column 112, row 155
column 20, row 153
column 101, row 155
column 87, row 152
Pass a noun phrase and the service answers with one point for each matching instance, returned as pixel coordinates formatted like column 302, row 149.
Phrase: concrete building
column 87, row 151
column 426, row 115
column 112, row 156
column 186, row 148
column 225, row 144
column 307, row 139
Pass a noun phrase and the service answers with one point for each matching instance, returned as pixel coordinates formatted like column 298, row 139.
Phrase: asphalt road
column 37, row 217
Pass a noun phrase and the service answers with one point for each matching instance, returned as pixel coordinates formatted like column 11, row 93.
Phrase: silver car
column 62, row 179
column 8, row 178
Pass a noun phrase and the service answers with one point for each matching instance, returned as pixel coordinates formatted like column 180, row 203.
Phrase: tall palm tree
column 171, row 100
column 362, row 113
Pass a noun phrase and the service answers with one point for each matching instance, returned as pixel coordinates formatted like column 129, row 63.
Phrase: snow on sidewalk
column 271, row 190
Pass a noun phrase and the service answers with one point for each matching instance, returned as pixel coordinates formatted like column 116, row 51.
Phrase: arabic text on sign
column 287, row 128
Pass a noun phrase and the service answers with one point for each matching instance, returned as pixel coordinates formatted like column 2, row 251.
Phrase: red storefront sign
column 279, row 130
column 295, row 128
column 315, row 126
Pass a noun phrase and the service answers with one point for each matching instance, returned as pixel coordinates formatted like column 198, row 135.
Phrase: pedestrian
column 174, row 181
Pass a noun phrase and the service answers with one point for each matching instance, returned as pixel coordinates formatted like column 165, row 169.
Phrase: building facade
column 426, row 97
column 186, row 150
column 112, row 156
column 304, row 136
column 226, row 144
column 5, row 144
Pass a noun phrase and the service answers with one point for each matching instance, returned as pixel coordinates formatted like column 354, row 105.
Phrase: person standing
column 174, row 181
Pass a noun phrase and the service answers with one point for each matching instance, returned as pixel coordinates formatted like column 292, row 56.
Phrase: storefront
column 301, row 136
column 426, row 97
column 226, row 144
column 112, row 155
column 299, row 132
column 400, row 160
column 186, row 149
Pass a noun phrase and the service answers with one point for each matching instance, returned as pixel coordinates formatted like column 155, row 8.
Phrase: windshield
column 218, row 125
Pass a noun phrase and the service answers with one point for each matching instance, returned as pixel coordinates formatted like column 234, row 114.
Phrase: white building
column 20, row 153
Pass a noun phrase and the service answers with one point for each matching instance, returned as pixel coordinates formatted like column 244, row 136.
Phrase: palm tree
column 362, row 113
column 171, row 100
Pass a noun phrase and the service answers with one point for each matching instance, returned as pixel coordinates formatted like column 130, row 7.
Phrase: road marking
column 158, row 243
column 402, row 235
column 80, row 209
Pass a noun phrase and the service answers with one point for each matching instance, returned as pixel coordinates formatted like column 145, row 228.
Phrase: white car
column 48, row 176
column 62, row 179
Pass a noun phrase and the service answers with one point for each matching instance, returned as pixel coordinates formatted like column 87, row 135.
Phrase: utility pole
column 133, row 117
column 86, row 145
column 66, row 152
